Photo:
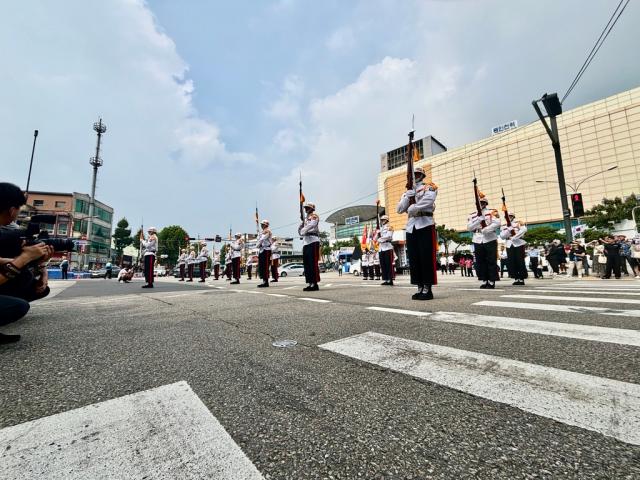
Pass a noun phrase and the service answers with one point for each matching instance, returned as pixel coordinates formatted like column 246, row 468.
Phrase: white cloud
column 341, row 40
column 287, row 106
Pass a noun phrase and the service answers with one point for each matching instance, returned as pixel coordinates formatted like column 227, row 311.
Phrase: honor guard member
column 236, row 254
column 249, row 265
column 310, row 230
column 151, row 247
column 216, row 263
column 364, row 264
column 384, row 237
column 203, row 256
column 191, row 263
column 275, row 259
column 375, row 260
column 182, row 263
column 485, row 242
column 421, row 234
column 515, row 249
column 264, row 253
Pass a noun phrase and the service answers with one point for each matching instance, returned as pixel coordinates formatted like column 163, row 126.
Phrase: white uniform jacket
column 216, row 257
column 191, row 259
column 384, row 238
column 375, row 258
column 236, row 248
column 203, row 255
column 275, row 251
column 310, row 229
column 182, row 259
column 488, row 233
column 421, row 212
column 150, row 246
column 513, row 239
column 264, row 240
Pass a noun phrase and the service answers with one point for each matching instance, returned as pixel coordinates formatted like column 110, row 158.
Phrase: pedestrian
column 576, row 256
column 340, row 267
column 469, row 265
column 462, row 263
column 534, row 261
column 108, row 271
column 203, row 257
column 182, row 263
column 309, row 229
column 191, row 263
column 419, row 204
column 625, row 253
column 64, row 268
column 503, row 261
column 264, row 253
column 484, row 226
column 125, row 274
column 555, row 256
column 150, row 247
column 634, row 258
column 442, row 261
column 515, row 247
column 384, row 237
column 275, row 259
column 612, row 252
column 451, row 264
column 236, row 255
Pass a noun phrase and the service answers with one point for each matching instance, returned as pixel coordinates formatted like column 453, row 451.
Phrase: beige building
column 593, row 138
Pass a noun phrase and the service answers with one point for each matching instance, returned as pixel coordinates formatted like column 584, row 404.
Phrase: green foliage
column 594, row 234
column 223, row 253
column 605, row 214
column 170, row 240
column 325, row 248
column 342, row 244
column 357, row 250
column 448, row 236
column 136, row 239
column 541, row 235
column 122, row 237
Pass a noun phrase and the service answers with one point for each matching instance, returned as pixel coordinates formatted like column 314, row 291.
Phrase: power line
column 596, row 47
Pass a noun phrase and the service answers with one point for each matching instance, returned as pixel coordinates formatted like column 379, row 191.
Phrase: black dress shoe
column 4, row 339
column 190, row 280
column 390, row 283
column 147, row 286
column 263, row 285
column 384, row 283
column 181, row 280
column 485, row 285
column 200, row 281
column 490, row 285
column 235, row 282
column 307, row 288
column 275, row 280
column 426, row 295
column 314, row 288
column 416, row 296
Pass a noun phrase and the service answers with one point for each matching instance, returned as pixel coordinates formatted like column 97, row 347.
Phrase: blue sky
column 213, row 106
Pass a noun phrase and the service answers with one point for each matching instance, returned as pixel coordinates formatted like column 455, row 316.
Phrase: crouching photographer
column 23, row 275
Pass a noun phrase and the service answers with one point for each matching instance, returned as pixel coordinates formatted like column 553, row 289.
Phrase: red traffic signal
column 577, row 205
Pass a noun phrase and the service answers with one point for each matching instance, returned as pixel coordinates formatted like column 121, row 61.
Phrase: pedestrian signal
column 577, row 205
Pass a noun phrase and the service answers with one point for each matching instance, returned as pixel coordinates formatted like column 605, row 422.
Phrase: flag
column 302, row 199
column 416, row 153
column 257, row 219
column 365, row 237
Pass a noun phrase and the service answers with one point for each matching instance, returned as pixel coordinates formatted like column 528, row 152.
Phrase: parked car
column 160, row 271
column 293, row 269
column 102, row 272
column 196, row 272
column 355, row 268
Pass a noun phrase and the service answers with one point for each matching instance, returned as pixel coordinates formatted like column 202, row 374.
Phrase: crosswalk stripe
column 602, row 405
column 576, row 299
column 277, row 295
column 559, row 308
column 166, row 432
column 318, row 300
column 400, row 311
column 590, row 292
column 606, row 284
column 479, row 291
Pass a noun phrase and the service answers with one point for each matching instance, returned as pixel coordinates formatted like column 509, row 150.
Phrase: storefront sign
column 352, row 220
column 505, row 127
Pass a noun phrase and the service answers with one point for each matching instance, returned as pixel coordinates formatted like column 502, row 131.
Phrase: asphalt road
column 313, row 412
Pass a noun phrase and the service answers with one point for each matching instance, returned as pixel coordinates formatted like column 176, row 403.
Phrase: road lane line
column 594, row 403
column 480, row 291
column 576, row 299
column 277, row 295
column 166, row 432
column 590, row 292
column 318, row 300
column 560, row 308
column 400, row 311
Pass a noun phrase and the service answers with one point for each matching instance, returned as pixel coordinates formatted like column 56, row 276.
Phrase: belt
column 423, row 214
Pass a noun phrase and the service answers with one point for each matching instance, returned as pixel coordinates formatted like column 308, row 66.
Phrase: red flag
column 365, row 236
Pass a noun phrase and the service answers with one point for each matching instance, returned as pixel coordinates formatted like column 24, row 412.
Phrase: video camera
column 11, row 239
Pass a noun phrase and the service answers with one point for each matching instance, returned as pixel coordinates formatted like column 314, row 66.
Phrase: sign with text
column 504, row 127
column 352, row 220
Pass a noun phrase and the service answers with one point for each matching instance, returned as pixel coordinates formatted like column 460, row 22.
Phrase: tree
column 223, row 253
column 325, row 248
column 448, row 236
column 540, row 235
column 122, row 237
column 170, row 240
column 357, row 249
column 604, row 215
column 594, row 234
column 136, row 239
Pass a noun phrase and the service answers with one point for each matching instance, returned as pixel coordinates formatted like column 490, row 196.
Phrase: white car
column 293, row 269
column 355, row 268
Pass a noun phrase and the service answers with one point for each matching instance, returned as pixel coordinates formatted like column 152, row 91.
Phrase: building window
column 63, row 229
column 38, row 203
column 398, row 157
column 60, row 204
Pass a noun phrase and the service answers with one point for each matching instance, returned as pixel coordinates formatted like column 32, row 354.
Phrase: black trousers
column 182, row 269
column 386, row 260
column 264, row 260
column 486, row 260
column 533, row 261
column 203, row 270
column 421, row 250
column 235, row 268
column 275, row 263
column 149, row 263
column 613, row 264
column 517, row 267
column 65, row 273
column 310, row 257
column 216, row 271
column 12, row 309
column 190, row 268
column 376, row 270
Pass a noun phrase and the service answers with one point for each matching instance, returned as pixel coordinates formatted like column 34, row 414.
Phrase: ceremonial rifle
column 506, row 212
column 302, row 200
column 476, row 194
column 411, row 174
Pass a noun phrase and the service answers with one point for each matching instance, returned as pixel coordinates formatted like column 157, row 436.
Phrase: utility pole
column 96, row 162
column 554, row 108
column 33, row 150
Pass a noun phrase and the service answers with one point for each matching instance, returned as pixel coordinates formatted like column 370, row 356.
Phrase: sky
column 213, row 107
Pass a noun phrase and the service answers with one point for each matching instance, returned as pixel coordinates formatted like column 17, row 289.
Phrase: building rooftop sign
column 504, row 127
column 352, row 220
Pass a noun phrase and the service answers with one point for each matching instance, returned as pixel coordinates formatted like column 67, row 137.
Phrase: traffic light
column 577, row 205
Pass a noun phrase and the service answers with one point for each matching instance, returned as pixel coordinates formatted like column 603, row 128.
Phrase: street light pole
column 96, row 162
column 33, row 149
column 554, row 108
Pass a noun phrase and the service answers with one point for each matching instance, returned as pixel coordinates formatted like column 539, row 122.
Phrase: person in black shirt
column 612, row 252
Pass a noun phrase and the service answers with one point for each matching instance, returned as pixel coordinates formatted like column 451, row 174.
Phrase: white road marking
column 590, row 292
column 596, row 284
column 568, row 330
column 400, row 311
column 599, row 404
column 318, row 300
column 328, row 285
column 560, row 308
column 290, row 288
column 576, row 299
column 277, row 295
column 56, row 287
column 480, row 291
column 166, row 432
